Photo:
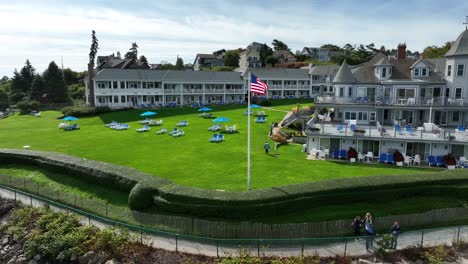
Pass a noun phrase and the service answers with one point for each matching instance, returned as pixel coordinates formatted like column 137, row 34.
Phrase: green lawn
column 189, row 160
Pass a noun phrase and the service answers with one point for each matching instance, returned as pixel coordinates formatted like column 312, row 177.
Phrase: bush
column 352, row 154
column 84, row 110
column 449, row 160
column 398, row 157
column 266, row 103
column 279, row 138
column 26, row 107
column 141, row 197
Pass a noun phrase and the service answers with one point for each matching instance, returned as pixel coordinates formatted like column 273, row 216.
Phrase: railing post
column 458, row 234
column 302, row 247
column 345, row 247
column 107, row 204
column 258, row 248
column 30, row 197
column 422, row 238
column 15, row 195
column 217, row 248
column 89, row 219
column 176, row 244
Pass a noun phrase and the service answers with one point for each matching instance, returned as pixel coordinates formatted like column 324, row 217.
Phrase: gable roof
column 344, row 74
column 383, row 62
column 324, row 70
column 460, row 46
column 206, row 56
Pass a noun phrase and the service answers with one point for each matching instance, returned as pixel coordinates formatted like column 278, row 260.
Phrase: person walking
column 395, row 231
column 356, row 226
column 266, row 147
column 370, row 232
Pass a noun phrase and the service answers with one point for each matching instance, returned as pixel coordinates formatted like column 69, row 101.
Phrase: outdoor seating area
column 117, row 126
column 206, row 115
column 182, row 123
column 35, row 113
column 162, row 131
column 143, row 129
column 260, row 114
column 71, row 127
column 215, row 127
column 176, row 132
column 260, row 119
column 217, row 138
column 230, row 129
column 151, row 122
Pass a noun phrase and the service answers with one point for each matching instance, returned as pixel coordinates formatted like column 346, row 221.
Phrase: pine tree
column 17, row 88
column 179, row 66
column 27, row 73
column 143, row 59
column 38, row 88
column 94, row 47
column 55, row 85
column 4, row 103
column 132, row 52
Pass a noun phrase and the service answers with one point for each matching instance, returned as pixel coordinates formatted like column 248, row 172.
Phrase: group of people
column 370, row 233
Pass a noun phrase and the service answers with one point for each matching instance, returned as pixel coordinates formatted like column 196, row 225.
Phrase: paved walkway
column 283, row 248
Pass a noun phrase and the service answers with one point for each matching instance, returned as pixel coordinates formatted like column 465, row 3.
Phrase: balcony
column 275, row 87
column 456, row 102
column 214, row 91
column 234, row 91
column 380, row 132
column 410, row 101
column 172, row 91
column 193, row 91
column 343, row 100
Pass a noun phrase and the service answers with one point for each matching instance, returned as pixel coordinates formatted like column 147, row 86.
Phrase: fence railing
column 329, row 246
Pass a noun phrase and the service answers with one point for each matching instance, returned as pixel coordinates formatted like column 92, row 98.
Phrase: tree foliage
column 218, row 53
column 94, row 47
column 231, row 58
column 271, row 60
column 179, row 66
column 56, row 88
column 18, row 88
column 355, row 54
column 4, row 102
column 264, row 51
column 280, row 45
column 38, row 88
column 143, row 59
column 132, row 52
column 435, row 51
column 331, row 47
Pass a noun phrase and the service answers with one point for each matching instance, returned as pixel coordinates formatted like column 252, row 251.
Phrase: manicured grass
column 189, row 160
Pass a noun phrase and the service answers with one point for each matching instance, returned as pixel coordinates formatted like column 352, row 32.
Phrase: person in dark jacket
column 356, row 226
column 395, row 231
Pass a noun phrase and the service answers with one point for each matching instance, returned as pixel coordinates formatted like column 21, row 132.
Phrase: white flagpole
column 248, row 132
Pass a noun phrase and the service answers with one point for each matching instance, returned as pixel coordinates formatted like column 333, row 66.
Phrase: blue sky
column 46, row 30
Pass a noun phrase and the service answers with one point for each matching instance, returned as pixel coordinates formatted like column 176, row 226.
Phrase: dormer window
column 416, row 72
column 384, row 72
column 424, row 72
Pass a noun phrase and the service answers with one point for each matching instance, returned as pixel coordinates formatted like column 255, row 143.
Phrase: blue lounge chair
column 390, row 158
column 352, row 127
column 398, row 130
column 214, row 137
column 340, row 128
column 383, row 158
column 336, row 154
column 440, row 161
column 431, row 160
column 220, row 138
column 343, row 154
column 409, row 129
column 461, row 128
column 175, row 130
column 162, row 131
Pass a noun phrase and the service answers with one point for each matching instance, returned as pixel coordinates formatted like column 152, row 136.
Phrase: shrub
column 26, row 107
column 266, row 103
column 279, row 138
column 141, row 197
column 84, row 110
column 352, row 153
column 398, row 157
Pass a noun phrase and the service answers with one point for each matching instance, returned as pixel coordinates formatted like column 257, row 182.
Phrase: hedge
column 88, row 111
column 147, row 190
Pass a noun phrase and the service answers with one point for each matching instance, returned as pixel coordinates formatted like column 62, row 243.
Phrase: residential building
column 319, row 54
column 249, row 58
column 416, row 106
column 321, row 78
column 206, row 61
column 284, row 56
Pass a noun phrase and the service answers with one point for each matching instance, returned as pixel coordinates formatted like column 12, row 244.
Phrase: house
column 416, row 106
column 319, row 54
column 113, row 62
column 206, row 61
column 322, row 77
column 249, row 58
column 284, row 56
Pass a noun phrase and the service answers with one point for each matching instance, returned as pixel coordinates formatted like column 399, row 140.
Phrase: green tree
column 76, row 91
column 179, row 66
column 143, row 59
column 73, row 77
column 94, row 47
column 132, row 52
column 264, row 51
column 167, row 66
column 56, row 88
column 18, row 88
column 231, row 58
column 435, row 51
column 4, row 102
column 219, row 52
column 331, row 47
column 38, row 88
column 279, row 45
column 271, row 60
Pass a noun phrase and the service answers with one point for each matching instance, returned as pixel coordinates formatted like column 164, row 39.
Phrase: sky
column 44, row 31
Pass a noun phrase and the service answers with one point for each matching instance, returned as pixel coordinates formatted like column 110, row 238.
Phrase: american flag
column 257, row 86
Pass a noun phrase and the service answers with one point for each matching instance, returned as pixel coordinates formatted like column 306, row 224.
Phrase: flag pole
column 248, row 131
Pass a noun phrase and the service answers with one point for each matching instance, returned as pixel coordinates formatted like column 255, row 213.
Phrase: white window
column 122, row 98
column 361, row 92
column 122, row 85
column 390, row 70
column 449, row 70
column 460, row 69
column 384, row 72
column 132, row 85
column 424, row 72
column 372, row 116
column 458, row 93
column 416, row 72
column 350, row 91
column 116, row 99
column 114, row 84
column 456, row 116
column 102, row 85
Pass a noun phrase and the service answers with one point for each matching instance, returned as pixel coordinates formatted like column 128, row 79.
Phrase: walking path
column 283, row 248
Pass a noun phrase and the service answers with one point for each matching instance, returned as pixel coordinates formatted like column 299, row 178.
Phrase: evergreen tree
column 264, row 51
column 179, row 66
column 17, row 88
column 280, row 45
column 143, row 59
column 56, row 88
column 38, row 88
column 27, row 73
column 132, row 52
column 231, row 58
column 94, row 47
column 3, row 100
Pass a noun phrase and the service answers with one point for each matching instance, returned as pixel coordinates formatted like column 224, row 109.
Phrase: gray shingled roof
column 460, row 46
column 324, row 70
column 168, row 76
column 344, row 74
column 206, row 56
column 383, row 62
column 280, row 73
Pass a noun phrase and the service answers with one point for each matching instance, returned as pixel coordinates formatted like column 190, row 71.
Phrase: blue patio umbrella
column 69, row 118
column 204, row 109
column 221, row 120
column 148, row 113
column 254, row 106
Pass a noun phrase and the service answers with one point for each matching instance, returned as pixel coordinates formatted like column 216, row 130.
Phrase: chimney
column 91, row 84
column 401, row 52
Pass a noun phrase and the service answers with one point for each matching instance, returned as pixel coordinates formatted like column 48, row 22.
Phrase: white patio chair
column 327, row 153
column 417, row 159
column 407, row 160
column 360, row 157
column 322, row 154
column 370, row 156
